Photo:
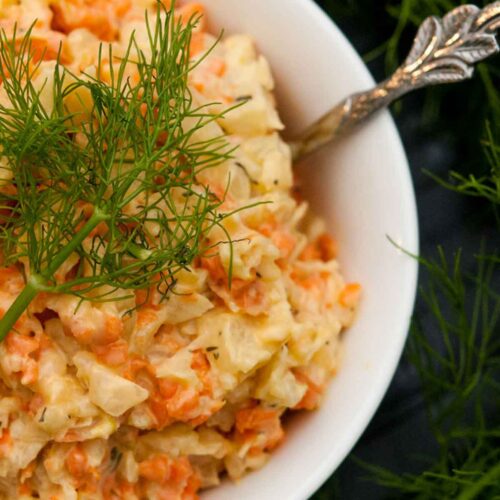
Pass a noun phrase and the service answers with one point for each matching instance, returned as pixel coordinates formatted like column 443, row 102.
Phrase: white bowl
column 362, row 186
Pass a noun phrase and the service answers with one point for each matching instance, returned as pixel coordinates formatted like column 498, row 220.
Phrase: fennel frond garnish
column 76, row 174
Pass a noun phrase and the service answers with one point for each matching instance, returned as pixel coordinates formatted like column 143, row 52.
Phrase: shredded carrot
column 313, row 281
column 313, row 395
column 177, row 477
column 268, row 228
column 142, row 296
column 157, row 468
column 5, row 443
column 349, row 296
column 180, row 470
column 284, row 241
column 217, row 66
column 114, row 488
column 146, row 316
column 170, row 400
column 198, row 43
column 45, row 48
column 183, row 403
column 327, row 246
column 323, row 248
column 36, row 402
column 71, row 436
column 115, row 353
column 27, row 472
column 136, row 364
column 258, row 420
column 24, row 489
column 214, row 267
column 177, row 402
column 279, row 235
column 25, row 347
column 86, row 478
column 201, row 366
column 113, row 329
column 100, row 230
column 98, row 16
column 10, row 275
column 192, row 486
column 191, row 11
column 76, row 462
column 20, row 344
column 29, row 372
column 310, row 252
column 199, row 86
column 160, row 411
column 168, row 387
column 251, row 297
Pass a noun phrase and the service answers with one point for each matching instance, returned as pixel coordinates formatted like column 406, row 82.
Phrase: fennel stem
column 490, row 477
column 40, row 282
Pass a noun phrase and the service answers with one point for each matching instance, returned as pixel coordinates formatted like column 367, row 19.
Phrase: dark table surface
column 399, row 431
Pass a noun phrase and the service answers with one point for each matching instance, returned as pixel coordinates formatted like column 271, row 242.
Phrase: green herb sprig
column 459, row 383
column 486, row 186
column 76, row 174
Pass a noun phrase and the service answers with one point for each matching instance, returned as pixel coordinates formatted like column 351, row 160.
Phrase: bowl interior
column 363, row 188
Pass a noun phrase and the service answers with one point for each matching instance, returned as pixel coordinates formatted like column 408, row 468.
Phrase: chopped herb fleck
column 114, row 458
column 242, row 98
column 212, row 348
column 240, row 165
column 42, row 416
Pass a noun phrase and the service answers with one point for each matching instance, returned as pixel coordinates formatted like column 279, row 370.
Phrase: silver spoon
column 444, row 51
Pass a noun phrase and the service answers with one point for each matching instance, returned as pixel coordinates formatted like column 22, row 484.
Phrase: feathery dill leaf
column 104, row 181
column 459, row 380
column 486, row 186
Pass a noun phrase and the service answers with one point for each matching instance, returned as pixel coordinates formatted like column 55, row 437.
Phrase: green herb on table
column 459, row 379
column 486, row 185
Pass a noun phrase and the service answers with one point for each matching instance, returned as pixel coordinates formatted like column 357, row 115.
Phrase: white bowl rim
column 311, row 482
column 331, row 463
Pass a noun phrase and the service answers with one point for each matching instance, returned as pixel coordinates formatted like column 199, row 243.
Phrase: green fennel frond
column 459, row 374
column 486, row 186
column 113, row 182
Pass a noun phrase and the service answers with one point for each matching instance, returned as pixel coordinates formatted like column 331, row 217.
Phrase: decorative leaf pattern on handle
column 488, row 20
column 445, row 50
column 426, row 42
column 458, row 22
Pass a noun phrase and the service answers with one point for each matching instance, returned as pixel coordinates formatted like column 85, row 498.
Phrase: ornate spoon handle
column 445, row 51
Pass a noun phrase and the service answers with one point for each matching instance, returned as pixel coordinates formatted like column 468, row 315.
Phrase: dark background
column 441, row 131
